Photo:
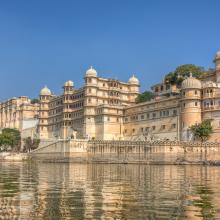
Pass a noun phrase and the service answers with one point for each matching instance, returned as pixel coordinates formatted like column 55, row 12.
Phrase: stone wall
column 128, row 152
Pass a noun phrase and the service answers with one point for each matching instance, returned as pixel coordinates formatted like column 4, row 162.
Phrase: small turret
column 45, row 96
column 217, row 66
column 68, row 86
column 45, row 91
column 190, row 105
column 134, row 84
column 91, row 72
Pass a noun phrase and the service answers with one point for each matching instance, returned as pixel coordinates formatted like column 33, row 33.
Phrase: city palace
column 106, row 109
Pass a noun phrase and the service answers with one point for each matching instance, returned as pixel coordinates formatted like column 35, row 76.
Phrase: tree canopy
column 30, row 144
column 202, row 130
column 182, row 71
column 33, row 101
column 10, row 139
column 145, row 96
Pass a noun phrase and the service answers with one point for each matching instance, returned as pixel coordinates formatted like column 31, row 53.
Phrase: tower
column 67, row 100
column 134, row 88
column 45, row 95
column 190, row 105
column 217, row 66
column 90, row 102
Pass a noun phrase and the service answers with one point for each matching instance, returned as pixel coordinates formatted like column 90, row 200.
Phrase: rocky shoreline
column 8, row 156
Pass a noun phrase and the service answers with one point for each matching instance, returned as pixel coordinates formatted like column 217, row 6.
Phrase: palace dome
column 91, row 72
column 191, row 83
column 45, row 91
column 133, row 80
column 218, row 54
column 69, row 83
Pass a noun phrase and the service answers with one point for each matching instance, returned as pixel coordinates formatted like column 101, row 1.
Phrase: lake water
column 96, row 191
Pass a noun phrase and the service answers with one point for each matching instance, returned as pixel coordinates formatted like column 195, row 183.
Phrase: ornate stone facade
column 18, row 113
column 93, row 111
column 174, row 110
column 105, row 109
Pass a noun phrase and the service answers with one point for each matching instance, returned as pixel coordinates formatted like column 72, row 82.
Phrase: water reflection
column 95, row 191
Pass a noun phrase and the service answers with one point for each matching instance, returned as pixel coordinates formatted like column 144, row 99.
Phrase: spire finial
column 190, row 74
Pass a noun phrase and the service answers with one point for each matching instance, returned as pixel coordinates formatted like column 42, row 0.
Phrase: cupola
column 133, row 80
column 191, row 83
column 69, row 83
column 45, row 91
column 91, row 72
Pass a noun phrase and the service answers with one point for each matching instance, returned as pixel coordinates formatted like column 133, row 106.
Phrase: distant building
column 19, row 113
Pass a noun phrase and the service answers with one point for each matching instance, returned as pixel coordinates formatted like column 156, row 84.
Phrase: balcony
column 211, row 108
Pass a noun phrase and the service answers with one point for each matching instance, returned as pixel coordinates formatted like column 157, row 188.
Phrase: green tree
column 202, row 131
column 33, row 101
column 30, row 144
column 145, row 96
column 181, row 72
column 10, row 139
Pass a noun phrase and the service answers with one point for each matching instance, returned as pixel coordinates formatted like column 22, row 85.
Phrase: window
column 163, row 127
column 142, row 117
column 173, row 125
column 196, row 92
column 142, row 129
column 167, row 87
column 147, row 129
column 164, row 113
column 196, row 104
column 133, row 130
column 154, row 115
column 154, row 127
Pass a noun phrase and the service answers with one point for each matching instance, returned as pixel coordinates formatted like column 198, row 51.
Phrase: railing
column 157, row 143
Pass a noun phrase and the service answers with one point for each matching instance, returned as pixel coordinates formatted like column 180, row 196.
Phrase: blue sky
column 47, row 42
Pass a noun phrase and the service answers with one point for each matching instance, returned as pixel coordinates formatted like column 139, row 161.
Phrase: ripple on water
column 113, row 191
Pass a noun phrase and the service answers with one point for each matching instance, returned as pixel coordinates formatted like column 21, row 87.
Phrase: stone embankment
column 130, row 152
